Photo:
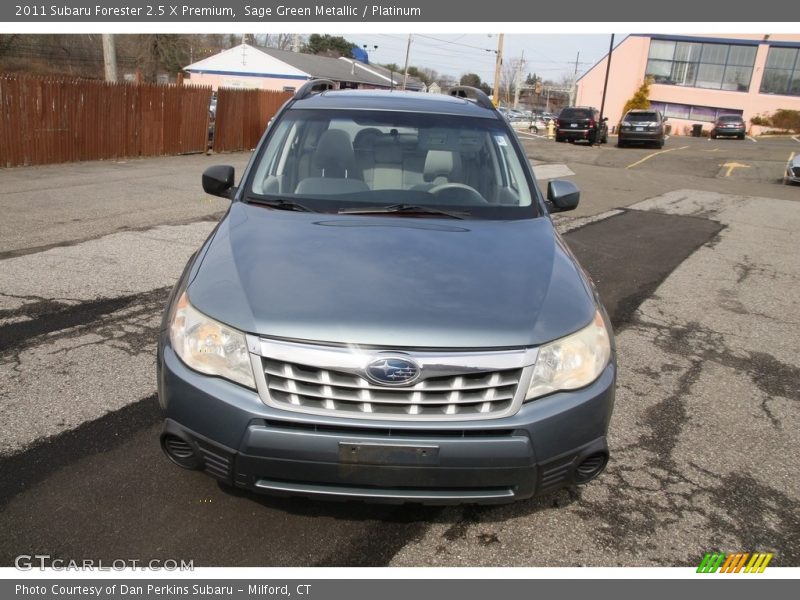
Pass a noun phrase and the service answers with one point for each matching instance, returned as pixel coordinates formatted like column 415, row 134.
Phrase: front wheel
column 741, row 137
column 620, row 144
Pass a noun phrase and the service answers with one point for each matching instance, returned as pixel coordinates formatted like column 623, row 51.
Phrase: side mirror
column 605, row 119
column 218, row 181
column 563, row 195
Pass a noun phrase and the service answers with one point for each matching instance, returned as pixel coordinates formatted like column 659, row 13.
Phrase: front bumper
column 233, row 436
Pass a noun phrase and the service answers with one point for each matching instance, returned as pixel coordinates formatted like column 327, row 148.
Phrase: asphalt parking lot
column 694, row 250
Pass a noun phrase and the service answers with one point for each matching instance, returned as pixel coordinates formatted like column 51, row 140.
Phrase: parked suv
column 576, row 123
column 642, row 126
column 729, row 125
column 387, row 312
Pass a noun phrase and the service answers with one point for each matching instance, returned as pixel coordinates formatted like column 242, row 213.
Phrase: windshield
column 642, row 117
column 576, row 113
column 339, row 160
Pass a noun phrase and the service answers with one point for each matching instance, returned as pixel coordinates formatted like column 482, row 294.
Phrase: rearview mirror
column 563, row 195
column 218, row 181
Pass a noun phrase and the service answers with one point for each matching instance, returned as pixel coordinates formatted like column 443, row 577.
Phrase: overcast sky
column 549, row 56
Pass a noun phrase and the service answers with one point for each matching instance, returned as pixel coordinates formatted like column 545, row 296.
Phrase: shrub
column 786, row 119
column 782, row 119
column 641, row 98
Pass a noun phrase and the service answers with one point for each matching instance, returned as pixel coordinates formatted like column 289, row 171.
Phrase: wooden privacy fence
column 242, row 116
column 51, row 120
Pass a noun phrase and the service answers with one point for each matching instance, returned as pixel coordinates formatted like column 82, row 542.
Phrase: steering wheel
column 473, row 195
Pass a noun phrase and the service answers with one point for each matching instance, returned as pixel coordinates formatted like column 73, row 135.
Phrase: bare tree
column 512, row 70
column 160, row 53
column 280, row 41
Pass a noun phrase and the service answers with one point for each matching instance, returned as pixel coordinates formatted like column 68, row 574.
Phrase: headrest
column 390, row 152
column 366, row 138
column 441, row 163
column 334, row 152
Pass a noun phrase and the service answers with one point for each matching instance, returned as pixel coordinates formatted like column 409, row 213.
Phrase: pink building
column 697, row 78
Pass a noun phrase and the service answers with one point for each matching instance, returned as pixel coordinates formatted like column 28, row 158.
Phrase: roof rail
column 314, row 86
column 472, row 93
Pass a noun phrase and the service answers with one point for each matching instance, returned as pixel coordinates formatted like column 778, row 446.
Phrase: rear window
column 576, row 113
column 734, row 118
column 642, row 117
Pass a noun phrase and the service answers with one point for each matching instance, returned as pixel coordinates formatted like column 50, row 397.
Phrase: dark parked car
column 643, row 127
column 729, row 126
column 581, row 123
column 387, row 312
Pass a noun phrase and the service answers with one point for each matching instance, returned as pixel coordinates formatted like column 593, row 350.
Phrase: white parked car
column 793, row 170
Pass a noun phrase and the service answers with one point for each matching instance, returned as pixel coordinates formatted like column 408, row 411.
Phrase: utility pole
column 605, row 83
column 497, row 67
column 110, row 56
column 574, row 92
column 405, row 69
column 518, row 79
column 296, row 42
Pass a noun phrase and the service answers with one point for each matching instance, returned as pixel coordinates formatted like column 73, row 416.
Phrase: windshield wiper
column 279, row 204
column 403, row 208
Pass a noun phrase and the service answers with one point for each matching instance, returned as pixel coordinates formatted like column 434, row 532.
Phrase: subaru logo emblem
column 393, row 370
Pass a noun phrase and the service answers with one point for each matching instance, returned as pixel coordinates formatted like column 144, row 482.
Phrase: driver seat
column 441, row 166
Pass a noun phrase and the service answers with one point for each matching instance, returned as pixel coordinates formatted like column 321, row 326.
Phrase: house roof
column 247, row 60
column 341, row 69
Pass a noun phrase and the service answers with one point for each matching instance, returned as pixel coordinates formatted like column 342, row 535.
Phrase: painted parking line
column 788, row 162
column 649, row 156
column 532, row 135
column 796, row 138
column 752, row 139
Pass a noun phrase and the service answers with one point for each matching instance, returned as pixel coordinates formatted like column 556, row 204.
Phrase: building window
column 692, row 113
column 704, row 65
column 782, row 72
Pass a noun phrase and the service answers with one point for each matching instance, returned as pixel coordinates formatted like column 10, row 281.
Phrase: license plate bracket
column 371, row 453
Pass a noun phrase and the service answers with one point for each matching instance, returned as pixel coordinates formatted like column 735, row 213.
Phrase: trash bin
column 697, row 130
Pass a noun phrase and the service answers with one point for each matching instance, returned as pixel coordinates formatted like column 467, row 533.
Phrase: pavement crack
column 56, row 321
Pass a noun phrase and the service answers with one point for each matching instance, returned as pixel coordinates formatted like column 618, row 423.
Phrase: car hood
column 390, row 280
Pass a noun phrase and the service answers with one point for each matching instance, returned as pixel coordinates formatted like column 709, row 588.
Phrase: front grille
column 299, row 387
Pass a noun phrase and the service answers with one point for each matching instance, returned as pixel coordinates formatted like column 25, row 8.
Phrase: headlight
column 571, row 362
column 626, row 123
column 208, row 346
